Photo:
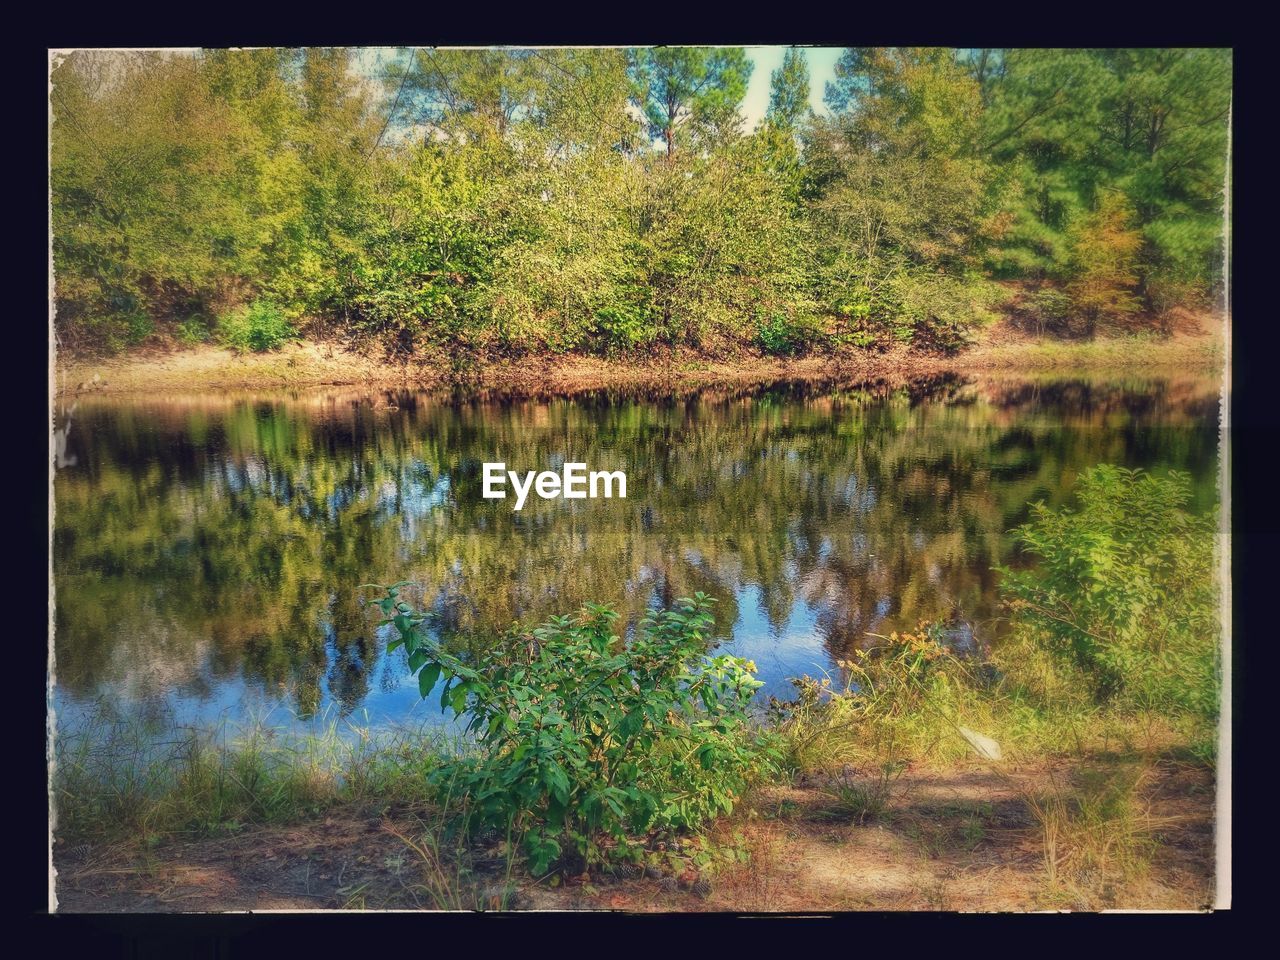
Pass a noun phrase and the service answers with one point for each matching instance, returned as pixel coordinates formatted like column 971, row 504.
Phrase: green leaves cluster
column 1070, row 129
column 1124, row 590
column 587, row 738
column 260, row 326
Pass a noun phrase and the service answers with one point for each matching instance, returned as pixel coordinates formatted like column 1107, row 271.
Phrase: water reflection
column 208, row 550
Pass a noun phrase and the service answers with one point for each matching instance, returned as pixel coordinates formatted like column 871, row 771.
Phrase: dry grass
column 1118, row 833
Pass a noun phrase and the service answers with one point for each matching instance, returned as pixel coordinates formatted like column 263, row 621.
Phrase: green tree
column 1064, row 125
column 689, row 89
column 1104, row 251
column 789, row 91
column 898, row 190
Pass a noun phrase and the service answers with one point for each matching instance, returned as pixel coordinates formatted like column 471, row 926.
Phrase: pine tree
column 689, row 88
column 789, row 91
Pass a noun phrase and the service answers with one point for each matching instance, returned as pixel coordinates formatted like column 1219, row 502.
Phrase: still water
column 209, row 549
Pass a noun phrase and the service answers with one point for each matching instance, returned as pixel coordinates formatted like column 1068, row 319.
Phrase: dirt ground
column 1195, row 342
column 962, row 839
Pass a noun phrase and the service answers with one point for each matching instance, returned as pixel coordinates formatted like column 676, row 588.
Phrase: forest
column 509, row 202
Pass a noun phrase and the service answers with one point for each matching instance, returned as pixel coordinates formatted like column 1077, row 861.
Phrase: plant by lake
column 1124, row 591
column 588, row 739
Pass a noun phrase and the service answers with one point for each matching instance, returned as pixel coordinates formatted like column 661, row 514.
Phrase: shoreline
column 944, row 832
column 308, row 364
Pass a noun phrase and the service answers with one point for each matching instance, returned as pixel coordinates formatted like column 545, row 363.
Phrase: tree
column 789, row 91
column 1066, row 124
column 898, row 189
column 689, row 88
column 149, row 175
column 478, row 93
column 510, row 199
column 1104, row 249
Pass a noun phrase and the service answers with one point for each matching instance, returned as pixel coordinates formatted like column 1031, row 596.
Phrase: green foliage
column 1124, row 591
column 899, row 190
column 898, row 700
column 626, row 324
column 689, row 93
column 531, row 200
column 586, row 738
column 193, row 330
column 780, row 334
column 1151, row 124
column 1102, row 263
column 789, row 91
column 260, row 326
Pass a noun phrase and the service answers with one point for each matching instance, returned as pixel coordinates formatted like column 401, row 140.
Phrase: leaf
column 458, row 698
column 427, row 678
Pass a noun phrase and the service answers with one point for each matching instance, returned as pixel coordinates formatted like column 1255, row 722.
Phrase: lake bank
column 957, row 839
column 1103, row 828
column 1002, row 347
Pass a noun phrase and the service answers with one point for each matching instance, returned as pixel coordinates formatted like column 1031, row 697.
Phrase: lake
column 209, row 549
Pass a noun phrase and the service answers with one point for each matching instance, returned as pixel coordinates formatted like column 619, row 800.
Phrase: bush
column 627, row 323
column 261, row 326
column 587, row 739
column 193, row 330
column 1125, row 591
column 778, row 334
column 1050, row 308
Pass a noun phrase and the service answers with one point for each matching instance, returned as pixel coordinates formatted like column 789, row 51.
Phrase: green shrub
column 901, row 699
column 780, row 334
column 138, row 326
column 587, row 739
column 1051, row 306
column 1124, row 591
column 627, row 323
column 192, row 331
column 260, row 326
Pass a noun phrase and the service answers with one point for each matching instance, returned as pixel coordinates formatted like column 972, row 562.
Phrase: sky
column 822, row 61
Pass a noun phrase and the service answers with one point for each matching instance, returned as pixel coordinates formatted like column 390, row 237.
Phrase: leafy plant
column 587, row 738
column 193, row 330
column 261, row 326
column 1124, row 590
column 777, row 334
column 627, row 323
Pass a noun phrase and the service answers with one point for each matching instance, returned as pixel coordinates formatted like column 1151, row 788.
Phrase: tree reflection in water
column 208, row 549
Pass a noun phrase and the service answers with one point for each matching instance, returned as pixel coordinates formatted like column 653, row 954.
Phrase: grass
column 866, row 795
column 906, row 708
column 1133, row 350
column 131, row 775
column 1097, row 834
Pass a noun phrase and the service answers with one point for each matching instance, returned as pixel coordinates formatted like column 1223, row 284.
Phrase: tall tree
column 477, row 92
column 689, row 88
column 898, row 189
column 1104, row 250
column 1067, row 124
column 789, row 91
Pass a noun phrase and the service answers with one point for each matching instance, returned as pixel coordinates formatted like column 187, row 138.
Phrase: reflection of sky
column 392, row 699
column 797, row 650
column 392, row 696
